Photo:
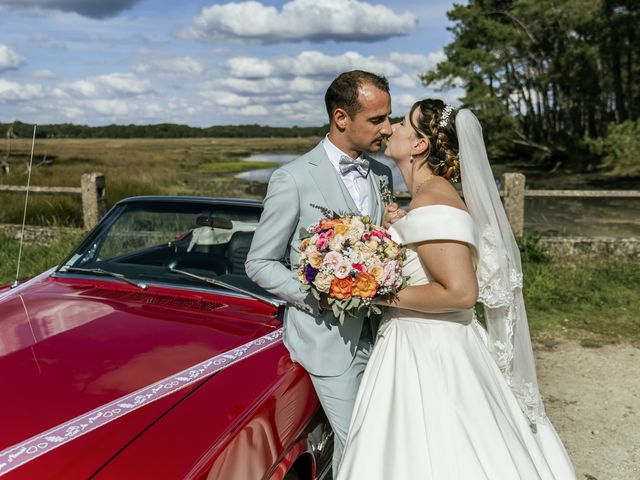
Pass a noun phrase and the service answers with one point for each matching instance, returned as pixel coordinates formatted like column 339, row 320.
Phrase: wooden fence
column 92, row 189
column 513, row 192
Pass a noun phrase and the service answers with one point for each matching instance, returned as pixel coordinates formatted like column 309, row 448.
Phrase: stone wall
column 592, row 246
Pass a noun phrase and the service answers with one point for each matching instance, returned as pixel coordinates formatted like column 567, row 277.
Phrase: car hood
column 68, row 346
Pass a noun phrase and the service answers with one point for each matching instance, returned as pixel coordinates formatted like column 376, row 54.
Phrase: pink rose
column 332, row 259
column 389, row 273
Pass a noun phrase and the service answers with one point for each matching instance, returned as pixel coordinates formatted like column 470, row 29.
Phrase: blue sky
column 206, row 62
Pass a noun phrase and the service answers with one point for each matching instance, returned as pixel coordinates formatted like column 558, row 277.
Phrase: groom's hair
column 343, row 91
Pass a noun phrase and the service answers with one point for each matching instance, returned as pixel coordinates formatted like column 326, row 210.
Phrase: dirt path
column 592, row 396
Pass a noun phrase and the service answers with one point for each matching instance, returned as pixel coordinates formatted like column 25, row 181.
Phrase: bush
column 620, row 149
column 531, row 250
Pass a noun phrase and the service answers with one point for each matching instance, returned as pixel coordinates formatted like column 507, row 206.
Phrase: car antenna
column 24, row 215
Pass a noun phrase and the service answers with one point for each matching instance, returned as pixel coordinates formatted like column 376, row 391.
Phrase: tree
column 544, row 75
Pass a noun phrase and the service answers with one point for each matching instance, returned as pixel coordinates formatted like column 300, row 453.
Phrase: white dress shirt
column 357, row 185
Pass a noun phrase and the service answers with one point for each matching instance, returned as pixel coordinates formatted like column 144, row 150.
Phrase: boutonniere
column 385, row 192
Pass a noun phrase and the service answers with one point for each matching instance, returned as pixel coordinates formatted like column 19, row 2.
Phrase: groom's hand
column 324, row 301
column 392, row 213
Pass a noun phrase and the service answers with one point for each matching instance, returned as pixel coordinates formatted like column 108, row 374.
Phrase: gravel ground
column 592, row 396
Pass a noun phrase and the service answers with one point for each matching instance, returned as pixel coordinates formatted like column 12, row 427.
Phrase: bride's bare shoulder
column 438, row 191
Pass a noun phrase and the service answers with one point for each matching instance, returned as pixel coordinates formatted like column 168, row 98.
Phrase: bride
column 442, row 398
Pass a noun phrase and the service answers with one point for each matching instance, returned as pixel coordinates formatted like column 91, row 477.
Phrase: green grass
column 594, row 300
column 36, row 257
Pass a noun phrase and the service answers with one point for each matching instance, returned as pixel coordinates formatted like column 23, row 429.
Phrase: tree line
column 551, row 80
column 162, row 130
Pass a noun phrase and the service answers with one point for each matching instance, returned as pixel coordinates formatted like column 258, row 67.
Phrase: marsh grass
column 235, row 167
column 199, row 166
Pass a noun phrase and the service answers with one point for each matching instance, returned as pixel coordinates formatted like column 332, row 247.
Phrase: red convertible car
column 148, row 353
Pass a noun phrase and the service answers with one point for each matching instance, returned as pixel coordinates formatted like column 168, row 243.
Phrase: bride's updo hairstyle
column 436, row 123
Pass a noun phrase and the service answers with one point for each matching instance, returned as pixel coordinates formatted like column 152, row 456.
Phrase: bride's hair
column 436, row 124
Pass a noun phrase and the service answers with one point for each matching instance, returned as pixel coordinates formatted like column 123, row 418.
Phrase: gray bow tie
column 360, row 164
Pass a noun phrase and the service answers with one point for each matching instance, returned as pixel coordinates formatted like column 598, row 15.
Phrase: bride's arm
column 453, row 284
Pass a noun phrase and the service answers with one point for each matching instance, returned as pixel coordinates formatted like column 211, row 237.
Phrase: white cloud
column 125, row 83
column 403, row 102
column 249, row 67
column 9, row 60
column 405, row 81
column 309, row 111
column 44, row 74
column 309, row 64
column 113, row 84
column 169, row 64
column 253, row 111
column 109, row 107
column 422, row 63
column 12, row 91
column 85, row 88
column 337, row 20
column 228, row 99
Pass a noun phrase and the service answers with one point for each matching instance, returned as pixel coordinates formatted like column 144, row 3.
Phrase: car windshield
column 146, row 241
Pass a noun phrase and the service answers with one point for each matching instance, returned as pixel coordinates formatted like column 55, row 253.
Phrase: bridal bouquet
column 350, row 260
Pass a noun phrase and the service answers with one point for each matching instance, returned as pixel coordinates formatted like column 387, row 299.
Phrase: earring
column 410, row 158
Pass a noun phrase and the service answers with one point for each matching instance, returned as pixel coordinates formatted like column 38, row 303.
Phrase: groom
column 339, row 175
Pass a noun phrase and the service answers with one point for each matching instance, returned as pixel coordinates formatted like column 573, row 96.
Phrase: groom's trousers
column 338, row 394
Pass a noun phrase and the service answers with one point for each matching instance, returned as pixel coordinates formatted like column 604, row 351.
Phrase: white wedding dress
column 433, row 403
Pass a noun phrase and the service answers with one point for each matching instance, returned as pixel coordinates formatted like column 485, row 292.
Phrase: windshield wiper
column 107, row 273
column 233, row 288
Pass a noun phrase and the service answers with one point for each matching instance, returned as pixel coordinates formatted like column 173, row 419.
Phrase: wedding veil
column 499, row 271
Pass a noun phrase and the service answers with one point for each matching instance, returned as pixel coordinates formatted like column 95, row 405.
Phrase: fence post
column 513, row 199
column 94, row 198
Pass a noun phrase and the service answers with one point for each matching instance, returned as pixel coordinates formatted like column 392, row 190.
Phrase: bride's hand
column 385, row 300
column 392, row 213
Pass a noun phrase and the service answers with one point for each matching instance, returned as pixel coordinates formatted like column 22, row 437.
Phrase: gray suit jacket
column 317, row 341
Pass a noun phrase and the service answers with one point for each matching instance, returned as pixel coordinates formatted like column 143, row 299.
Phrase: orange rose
column 341, row 288
column 364, row 286
column 327, row 224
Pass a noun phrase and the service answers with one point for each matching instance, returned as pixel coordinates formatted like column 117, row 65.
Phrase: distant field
column 199, row 166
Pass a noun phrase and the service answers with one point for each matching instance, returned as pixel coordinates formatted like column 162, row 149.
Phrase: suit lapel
column 375, row 207
column 335, row 194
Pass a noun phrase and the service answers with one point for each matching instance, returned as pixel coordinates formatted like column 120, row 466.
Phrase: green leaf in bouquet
column 375, row 309
column 315, row 294
column 336, row 310
column 341, row 318
column 305, row 287
column 304, row 233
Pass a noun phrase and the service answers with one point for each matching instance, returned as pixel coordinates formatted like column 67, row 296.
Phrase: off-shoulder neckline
column 437, row 205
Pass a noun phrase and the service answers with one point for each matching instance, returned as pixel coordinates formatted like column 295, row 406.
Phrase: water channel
column 610, row 217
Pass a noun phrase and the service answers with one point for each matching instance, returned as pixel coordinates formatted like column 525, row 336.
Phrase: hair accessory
column 444, row 118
